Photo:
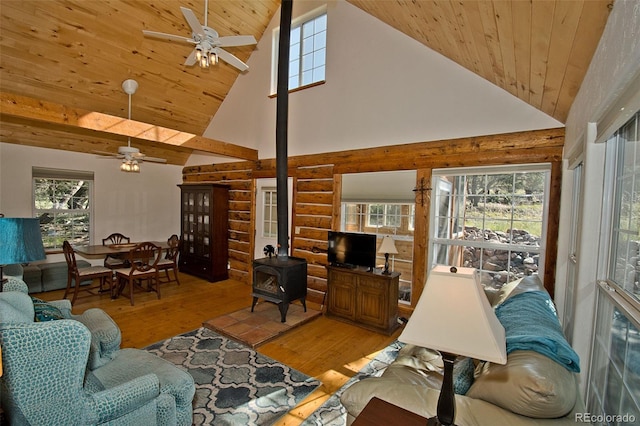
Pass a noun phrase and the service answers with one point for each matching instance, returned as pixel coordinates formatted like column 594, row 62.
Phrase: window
column 491, row 219
column 270, row 217
column 307, row 50
column 395, row 219
column 384, row 215
column 62, row 200
column 613, row 388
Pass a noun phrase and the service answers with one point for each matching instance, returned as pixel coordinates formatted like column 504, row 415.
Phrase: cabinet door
column 203, row 216
column 342, row 295
column 188, row 222
column 372, row 302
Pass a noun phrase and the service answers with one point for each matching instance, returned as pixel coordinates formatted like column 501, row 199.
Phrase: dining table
column 97, row 250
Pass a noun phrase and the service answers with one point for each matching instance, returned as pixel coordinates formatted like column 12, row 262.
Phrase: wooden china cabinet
column 204, row 211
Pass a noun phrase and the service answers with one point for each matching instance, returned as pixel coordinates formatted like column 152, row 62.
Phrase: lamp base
column 386, row 264
column 433, row 421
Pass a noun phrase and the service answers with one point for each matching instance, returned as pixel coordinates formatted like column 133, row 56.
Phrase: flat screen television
column 350, row 250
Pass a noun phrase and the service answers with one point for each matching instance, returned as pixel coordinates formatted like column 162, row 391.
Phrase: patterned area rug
column 235, row 385
column 332, row 413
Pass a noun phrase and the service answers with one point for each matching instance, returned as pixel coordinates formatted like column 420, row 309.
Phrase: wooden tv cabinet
column 367, row 299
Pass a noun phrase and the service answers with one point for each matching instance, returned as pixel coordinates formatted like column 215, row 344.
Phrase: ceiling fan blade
column 105, row 154
column 232, row 60
column 154, row 159
column 168, row 36
column 191, row 59
column 193, row 22
column 241, row 40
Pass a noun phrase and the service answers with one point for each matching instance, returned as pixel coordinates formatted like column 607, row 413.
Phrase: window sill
column 297, row 89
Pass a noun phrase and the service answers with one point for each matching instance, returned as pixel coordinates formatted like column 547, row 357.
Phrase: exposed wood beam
column 48, row 112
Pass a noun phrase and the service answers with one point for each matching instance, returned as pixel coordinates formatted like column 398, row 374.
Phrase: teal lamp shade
column 20, row 240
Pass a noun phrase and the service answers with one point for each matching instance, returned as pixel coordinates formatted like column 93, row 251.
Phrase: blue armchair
column 72, row 370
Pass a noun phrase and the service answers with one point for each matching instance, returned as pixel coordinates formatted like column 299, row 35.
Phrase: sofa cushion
column 529, row 384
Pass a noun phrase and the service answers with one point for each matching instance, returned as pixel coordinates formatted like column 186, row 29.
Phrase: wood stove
column 281, row 280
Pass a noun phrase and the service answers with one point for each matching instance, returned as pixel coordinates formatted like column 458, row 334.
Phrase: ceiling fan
column 130, row 155
column 208, row 45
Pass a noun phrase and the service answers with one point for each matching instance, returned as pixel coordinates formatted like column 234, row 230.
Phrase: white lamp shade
column 388, row 246
column 453, row 315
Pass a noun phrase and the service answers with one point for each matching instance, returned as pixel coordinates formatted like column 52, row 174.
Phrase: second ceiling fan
column 208, row 44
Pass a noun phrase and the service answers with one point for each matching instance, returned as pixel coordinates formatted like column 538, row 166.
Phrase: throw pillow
column 529, row 384
column 45, row 311
column 463, row 370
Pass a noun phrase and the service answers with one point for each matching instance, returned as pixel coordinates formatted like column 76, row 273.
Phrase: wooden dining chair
column 115, row 261
column 170, row 260
column 80, row 275
column 144, row 259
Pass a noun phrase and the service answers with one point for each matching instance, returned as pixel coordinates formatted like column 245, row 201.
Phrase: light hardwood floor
column 332, row 351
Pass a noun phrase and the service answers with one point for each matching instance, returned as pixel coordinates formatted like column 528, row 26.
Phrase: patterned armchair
column 72, row 371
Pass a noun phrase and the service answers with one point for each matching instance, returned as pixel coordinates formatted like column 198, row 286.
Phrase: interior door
column 266, row 216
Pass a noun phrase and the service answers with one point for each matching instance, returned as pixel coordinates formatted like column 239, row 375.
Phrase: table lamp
column 21, row 242
column 453, row 316
column 387, row 247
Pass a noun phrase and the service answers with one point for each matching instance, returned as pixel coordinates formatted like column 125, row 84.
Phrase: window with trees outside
column 62, row 201
column 613, row 388
column 381, row 219
column 491, row 219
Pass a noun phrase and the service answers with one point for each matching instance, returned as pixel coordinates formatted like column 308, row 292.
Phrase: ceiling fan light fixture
column 135, row 168
column 213, row 58
column 204, row 61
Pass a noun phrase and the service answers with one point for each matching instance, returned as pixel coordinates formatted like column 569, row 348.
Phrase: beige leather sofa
column 531, row 389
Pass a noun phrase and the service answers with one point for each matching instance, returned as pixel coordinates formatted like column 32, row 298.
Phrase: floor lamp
column 454, row 299
column 21, row 242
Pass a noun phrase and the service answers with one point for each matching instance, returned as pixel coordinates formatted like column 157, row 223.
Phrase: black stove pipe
column 282, row 111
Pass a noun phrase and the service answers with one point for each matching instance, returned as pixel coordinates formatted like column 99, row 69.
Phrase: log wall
column 317, row 194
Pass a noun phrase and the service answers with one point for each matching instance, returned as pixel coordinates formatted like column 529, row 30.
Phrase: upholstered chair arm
column 105, row 336
column 123, row 399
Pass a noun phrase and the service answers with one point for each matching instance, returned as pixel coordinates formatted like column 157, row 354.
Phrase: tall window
column 270, row 216
column 307, row 50
column 62, row 200
column 493, row 220
column 614, row 381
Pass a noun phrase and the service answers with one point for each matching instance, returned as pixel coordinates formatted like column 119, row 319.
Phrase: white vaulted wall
column 382, row 88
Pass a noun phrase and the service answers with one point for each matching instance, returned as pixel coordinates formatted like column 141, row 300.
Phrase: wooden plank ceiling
column 70, row 57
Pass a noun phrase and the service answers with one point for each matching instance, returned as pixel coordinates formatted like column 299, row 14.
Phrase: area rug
column 235, row 385
column 332, row 412
column 262, row 325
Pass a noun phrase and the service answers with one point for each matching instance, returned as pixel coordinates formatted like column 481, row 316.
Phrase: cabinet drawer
column 342, row 278
column 373, row 285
